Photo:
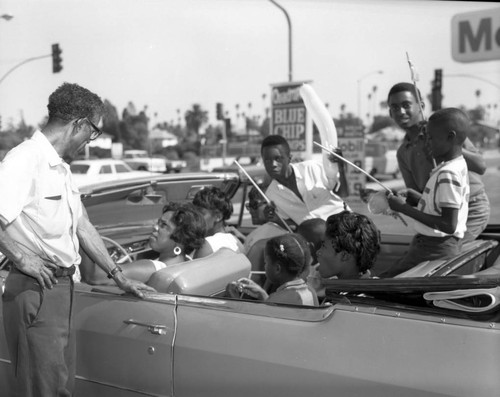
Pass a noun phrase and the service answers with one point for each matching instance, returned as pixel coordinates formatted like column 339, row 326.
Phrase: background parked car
column 86, row 172
column 141, row 161
column 380, row 159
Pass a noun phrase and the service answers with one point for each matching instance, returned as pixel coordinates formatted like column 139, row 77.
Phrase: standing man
column 42, row 226
column 416, row 162
column 299, row 191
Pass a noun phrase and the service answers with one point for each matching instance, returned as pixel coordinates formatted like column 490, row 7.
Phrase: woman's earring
column 177, row 250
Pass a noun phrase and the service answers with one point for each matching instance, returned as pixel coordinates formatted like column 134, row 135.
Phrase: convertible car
column 431, row 332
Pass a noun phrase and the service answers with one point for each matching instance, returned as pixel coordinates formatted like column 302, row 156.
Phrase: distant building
column 162, row 138
column 387, row 134
column 104, row 141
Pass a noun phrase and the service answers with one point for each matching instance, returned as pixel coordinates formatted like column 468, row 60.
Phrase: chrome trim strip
column 405, row 314
column 81, row 378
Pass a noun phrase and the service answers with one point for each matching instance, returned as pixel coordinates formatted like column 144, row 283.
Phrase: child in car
column 286, row 257
column 441, row 210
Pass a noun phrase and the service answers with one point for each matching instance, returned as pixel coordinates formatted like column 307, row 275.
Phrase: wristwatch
column 112, row 272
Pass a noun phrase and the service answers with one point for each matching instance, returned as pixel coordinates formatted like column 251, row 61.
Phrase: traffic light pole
column 22, row 63
column 224, row 144
column 471, row 76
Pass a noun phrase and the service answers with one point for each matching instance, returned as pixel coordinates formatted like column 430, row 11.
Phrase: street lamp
column 359, row 88
column 289, row 38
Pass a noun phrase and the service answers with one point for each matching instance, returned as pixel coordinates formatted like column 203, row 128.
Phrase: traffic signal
column 227, row 125
column 438, row 78
column 436, row 99
column 437, row 85
column 219, row 111
column 56, row 58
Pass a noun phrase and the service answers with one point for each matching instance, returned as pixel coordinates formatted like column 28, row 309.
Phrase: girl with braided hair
column 286, row 258
column 350, row 246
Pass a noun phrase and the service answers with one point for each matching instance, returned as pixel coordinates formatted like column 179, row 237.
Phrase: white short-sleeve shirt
column 224, row 240
column 39, row 203
column 448, row 186
column 312, row 183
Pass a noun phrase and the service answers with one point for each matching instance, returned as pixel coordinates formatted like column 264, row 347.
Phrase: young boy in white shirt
column 441, row 210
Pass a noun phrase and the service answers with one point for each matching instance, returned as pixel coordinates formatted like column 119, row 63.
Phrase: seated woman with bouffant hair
column 216, row 208
column 177, row 234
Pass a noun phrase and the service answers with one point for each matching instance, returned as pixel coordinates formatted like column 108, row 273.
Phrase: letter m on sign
column 476, row 36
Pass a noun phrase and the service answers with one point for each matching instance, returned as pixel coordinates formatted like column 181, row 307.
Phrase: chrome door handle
column 156, row 329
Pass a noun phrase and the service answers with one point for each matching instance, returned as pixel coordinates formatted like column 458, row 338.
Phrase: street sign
column 475, row 36
column 352, row 144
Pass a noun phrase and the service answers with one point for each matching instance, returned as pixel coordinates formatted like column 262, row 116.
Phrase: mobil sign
column 476, row 36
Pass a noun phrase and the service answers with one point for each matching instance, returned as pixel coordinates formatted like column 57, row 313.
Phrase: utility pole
column 289, row 38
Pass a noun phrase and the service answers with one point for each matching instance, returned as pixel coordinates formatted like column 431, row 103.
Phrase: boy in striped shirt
column 441, row 210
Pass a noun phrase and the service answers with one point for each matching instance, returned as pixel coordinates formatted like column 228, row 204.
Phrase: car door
column 230, row 347
column 124, row 344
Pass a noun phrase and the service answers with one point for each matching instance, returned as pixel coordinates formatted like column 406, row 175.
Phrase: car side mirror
column 154, row 197
column 147, row 196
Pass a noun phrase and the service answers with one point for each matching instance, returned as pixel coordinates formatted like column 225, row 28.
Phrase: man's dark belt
column 64, row 271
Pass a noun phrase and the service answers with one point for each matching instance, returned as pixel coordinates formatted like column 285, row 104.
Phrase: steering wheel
column 125, row 256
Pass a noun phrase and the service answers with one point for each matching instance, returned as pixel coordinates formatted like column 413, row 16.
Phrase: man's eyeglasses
column 96, row 132
column 254, row 205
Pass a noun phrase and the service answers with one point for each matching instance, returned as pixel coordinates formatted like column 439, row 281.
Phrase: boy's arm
column 412, row 196
column 447, row 222
column 342, row 188
column 473, row 158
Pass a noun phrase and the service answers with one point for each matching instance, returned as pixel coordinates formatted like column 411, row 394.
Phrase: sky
column 167, row 55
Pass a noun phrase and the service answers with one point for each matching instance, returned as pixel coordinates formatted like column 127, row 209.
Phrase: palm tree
column 195, row 118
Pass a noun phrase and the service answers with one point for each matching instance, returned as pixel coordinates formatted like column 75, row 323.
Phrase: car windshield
column 79, row 168
column 136, row 155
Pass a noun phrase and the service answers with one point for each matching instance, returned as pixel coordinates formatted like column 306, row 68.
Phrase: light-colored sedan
column 86, row 172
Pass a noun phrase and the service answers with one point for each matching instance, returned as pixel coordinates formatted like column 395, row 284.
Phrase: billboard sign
column 475, row 36
column 352, row 143
column 289, row 115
